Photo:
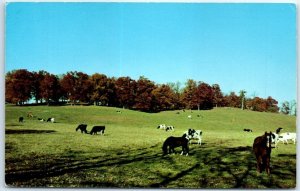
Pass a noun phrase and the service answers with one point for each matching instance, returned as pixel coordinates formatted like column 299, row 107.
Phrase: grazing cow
column 194, row 134
column 190, row 116
column 82, row 128
column 21, row 119
column 284, row 137
column 50, row 120
column 161, row 126
column 248, row 130
column 170, row 128
column 262, row 150
column 278, row 130
column 96, row 129
column 119, row 111
column 172, row 142
column 41, row 119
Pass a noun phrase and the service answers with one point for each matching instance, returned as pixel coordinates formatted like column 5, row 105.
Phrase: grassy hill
column 129, row 155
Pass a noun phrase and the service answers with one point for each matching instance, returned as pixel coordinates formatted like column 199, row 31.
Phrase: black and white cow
column 194, row 134
column 50, row 119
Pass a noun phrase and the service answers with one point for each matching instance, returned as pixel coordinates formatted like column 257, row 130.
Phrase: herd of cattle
column 82, row 127
column 262, row 145
column 50, row 119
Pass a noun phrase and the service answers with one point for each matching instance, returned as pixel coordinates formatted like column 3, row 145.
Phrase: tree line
column 124, row 92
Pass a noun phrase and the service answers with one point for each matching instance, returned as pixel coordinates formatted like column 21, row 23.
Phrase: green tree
column 243, row 98
column 285, row 108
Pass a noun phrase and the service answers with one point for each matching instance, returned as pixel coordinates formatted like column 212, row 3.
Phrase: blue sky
column 238, row 46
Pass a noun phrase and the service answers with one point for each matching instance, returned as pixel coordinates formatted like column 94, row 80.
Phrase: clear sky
column 248, row 47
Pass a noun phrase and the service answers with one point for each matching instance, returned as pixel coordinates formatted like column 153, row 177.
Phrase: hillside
column 129, row 154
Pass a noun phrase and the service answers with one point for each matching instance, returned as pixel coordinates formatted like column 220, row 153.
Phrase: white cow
column 284, row 137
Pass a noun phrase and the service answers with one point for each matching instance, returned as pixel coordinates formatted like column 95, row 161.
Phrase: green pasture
column 129, row 154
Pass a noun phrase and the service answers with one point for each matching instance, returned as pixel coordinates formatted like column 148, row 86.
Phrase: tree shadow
column 27, row 131
column 234, row 167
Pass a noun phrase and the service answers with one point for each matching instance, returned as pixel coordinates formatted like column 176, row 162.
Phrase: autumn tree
column 188, row 94
column 77, row 86
column 144, row 98
column 232, row 100
column 203, row 96
column 18, row 86
column 164, row 98
column 217, row 95
column 99, row 82
column 125, row 91
column 272, row 105
column 37, row 78
column 50, row 88
column 258, row 104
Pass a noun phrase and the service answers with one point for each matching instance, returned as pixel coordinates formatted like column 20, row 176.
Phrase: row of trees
column 142, row 94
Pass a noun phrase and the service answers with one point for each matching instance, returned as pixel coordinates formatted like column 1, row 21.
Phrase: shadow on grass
column 27, row 131
column 215, row 167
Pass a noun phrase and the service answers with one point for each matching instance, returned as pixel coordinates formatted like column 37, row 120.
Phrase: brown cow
column 262, row 150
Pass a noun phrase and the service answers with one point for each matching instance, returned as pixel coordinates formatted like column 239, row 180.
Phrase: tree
column 285, row 108
column 204, row 96
column 242, row 97
column 125, row 91
column 175, row 87
column 232, row 100
column 50, row 88
column 18, row 86
column 188, row 94
column 77, row 86
column 37, row 78
column 258, row 104
column 164, row 98
column 217, row 95
column 99, row 82
column 144, row 98
column 272, row 105
column 293, row 107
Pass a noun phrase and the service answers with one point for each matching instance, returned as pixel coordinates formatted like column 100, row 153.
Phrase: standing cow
column 21, row 119
column 96, row 129
column 82, row 128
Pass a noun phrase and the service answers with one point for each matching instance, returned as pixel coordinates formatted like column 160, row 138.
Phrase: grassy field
column 129, row 155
